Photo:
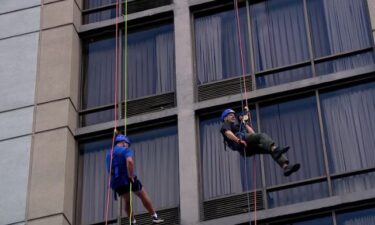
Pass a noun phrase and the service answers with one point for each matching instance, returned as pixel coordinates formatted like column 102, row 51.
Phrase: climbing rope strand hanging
column 244, row 97
column 126, row 96
column 115, row 116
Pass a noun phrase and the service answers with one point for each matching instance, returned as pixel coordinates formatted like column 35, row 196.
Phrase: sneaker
column 157, row 220
column 279, row 151
column 291, row 169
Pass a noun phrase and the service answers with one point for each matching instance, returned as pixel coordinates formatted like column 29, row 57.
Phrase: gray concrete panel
column 13, row 5
column 16, row 123
column 18, row 64
column 19, row 22
column 14, row 172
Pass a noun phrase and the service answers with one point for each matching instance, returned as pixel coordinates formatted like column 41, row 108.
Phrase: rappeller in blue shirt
column 122, row 175
column 242, row 138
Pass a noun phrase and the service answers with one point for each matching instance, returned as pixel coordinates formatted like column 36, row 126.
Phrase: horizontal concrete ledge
column 133, row 16
column 288, row 87
column 320, row 204
column 132, row 120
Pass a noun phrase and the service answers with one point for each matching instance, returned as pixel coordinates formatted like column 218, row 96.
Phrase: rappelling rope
column 115, row 116
column 246, row 108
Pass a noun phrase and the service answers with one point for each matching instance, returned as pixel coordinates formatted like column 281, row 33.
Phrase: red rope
column 244, row 96
column 115, row 115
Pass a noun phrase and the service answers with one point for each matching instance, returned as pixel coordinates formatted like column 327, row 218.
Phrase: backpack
column 119, row 172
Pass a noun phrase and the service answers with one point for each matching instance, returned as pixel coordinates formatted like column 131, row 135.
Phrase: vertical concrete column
column 51, row 195
column 371, row 5
column 188, row 154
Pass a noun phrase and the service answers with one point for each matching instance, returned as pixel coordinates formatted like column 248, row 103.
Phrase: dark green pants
column 261, row 143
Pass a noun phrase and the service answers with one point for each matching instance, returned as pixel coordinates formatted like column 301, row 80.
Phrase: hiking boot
column 279, row 151
column 291, row 169
column 156, row 219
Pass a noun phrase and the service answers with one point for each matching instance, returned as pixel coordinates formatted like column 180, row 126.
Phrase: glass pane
column 294, row 123
column 97, row 117
column 104, row 14
column 298, row 194
column 99, row 69
column 345, row 63
column 339, row 26
column 355, row 183
column 320, row 221
column 283, row 77
column 224, row 172
column 151, row 67
column 348, row 116
column 362, row 217
column 217, row 49
column 279, row 33
column 89, row 4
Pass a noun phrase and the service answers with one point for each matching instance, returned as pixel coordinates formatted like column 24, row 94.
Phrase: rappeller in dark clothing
column 242, row 138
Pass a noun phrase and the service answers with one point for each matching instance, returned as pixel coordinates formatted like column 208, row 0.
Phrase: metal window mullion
column 322, row 136
column 309, row 34
column 334, row 217
column 262, row 169
column 252, row 58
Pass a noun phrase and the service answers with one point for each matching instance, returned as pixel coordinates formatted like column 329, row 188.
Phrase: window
column 151, row 71
column 99, row 10
column 216, row 46
column 349, row 127
column 156, row 165
column 224, row 172
column 290, row 40
column 360, row 217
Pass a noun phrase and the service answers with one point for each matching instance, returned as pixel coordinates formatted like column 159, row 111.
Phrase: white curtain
column 165, row 62
column 348, row 116
column 156, row 165
column 279, row 37
column 221, row 171
column 340, row 26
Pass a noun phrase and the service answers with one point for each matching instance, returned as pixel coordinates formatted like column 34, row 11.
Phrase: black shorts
column 136, row 186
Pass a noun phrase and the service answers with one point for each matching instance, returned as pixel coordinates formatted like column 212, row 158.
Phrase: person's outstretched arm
column 234, row 138
column 249, row 129
column 130, row 166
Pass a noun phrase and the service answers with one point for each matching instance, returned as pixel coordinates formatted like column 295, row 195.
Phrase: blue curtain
column 217, row 46
column 361, row 217
column 339, row 26
column 349, row 128
column 279, row 36
column 294, row 123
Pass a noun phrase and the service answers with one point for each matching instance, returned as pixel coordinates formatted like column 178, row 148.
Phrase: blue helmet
column 225, row 113
column 121, row 137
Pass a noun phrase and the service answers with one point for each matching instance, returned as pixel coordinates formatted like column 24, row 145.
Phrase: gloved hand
column 242, row 142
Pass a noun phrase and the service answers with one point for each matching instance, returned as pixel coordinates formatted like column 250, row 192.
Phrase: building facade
column 307, row 74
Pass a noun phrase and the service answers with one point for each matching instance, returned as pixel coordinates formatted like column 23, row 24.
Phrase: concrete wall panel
column 55, row 64
column 55, row 115
column 12, row 5
column 14, row 172
column 49, row 181
column 17, row 86
column 61, row 13
column 16, row 123
column 19, row 22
